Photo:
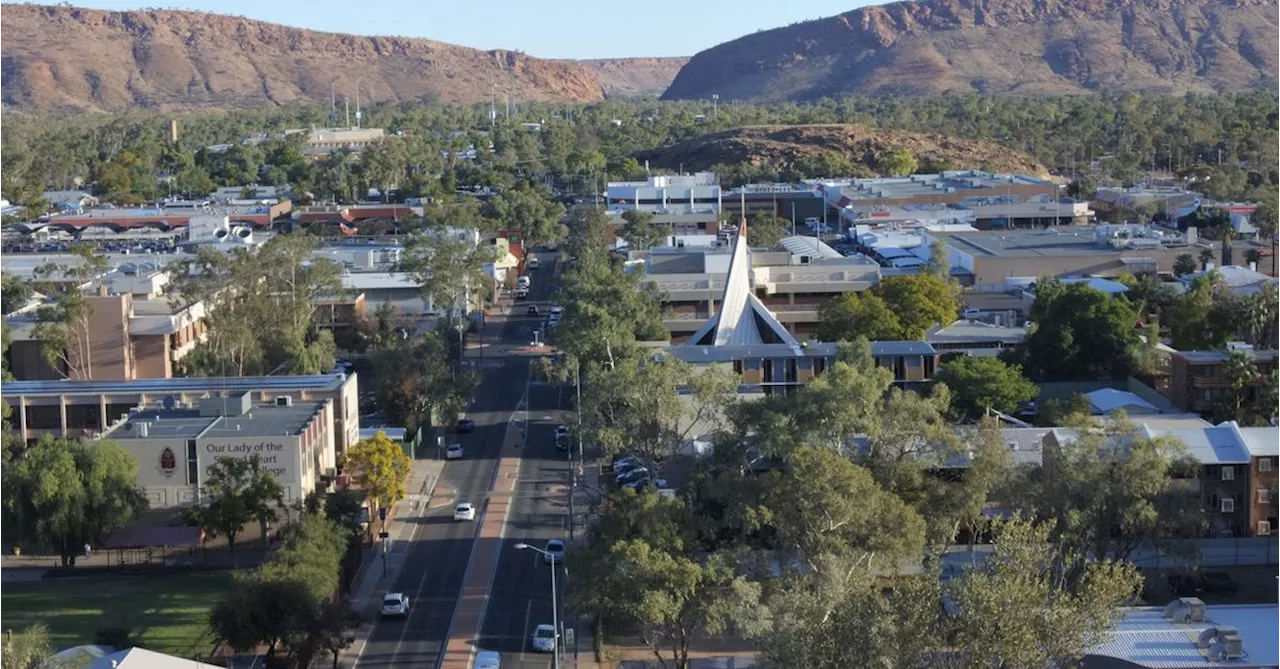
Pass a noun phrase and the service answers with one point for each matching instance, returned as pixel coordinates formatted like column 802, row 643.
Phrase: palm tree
column 1206, row 257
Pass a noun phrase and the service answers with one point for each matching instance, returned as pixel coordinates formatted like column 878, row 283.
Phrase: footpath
column 381, row 564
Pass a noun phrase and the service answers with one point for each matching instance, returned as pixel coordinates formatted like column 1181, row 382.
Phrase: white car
column 395, row 605
column 488, row 659
column 453, row 452
column 555, row 551
column 971, row 313
column 556, row 311
column 464, row 511
column 524, row 282
column 544, row 638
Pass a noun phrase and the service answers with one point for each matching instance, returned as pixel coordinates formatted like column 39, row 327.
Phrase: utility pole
column 715, row 109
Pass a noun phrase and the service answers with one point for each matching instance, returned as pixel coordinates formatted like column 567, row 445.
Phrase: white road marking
column 528, row 612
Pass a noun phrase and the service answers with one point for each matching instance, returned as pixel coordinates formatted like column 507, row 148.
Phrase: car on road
column 555, row 551
column 453, row 452
column 488, row 659
column 464, row 511
column 532, row 262
column 532, row 310
column 395, row 605
column 524, row 282
column 544, row 638
column 466, row 426
column 561, row 432
column 971, row 313
column 522, row 293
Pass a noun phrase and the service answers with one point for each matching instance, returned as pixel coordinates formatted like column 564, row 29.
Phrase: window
column 1264, row 496
column 1264, row 528
column 1228, row 473
column 1228, row 505
column 1264, row 465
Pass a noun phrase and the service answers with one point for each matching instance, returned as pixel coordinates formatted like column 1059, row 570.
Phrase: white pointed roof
column 742, row 319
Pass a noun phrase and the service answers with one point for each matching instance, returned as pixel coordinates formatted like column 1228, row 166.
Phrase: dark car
column 1217, row 581
column 533, row 310
column 466, row 425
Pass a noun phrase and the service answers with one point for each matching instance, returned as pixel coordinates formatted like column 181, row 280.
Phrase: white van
column 523, row 282
column 532, row 262
column 487, row 659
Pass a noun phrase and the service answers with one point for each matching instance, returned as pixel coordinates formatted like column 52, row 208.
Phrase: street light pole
column 555, row 614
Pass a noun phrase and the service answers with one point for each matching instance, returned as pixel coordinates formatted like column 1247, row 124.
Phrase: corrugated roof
column 802, row 245
column 1106, row 400
column 1144, row 638
column 1261, row 441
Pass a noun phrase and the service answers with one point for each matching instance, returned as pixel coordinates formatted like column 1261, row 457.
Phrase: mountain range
column 60, row 57
column 1021, row 47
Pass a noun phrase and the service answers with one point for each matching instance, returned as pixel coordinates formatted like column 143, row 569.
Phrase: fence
column 1237, row 552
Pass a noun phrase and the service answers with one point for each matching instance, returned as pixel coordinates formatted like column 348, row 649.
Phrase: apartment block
column 1197, row 382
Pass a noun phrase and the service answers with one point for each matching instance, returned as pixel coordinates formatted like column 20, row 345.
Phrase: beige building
column 134, row 332
column 88, row 408
column 175, row 448
column 792, row 283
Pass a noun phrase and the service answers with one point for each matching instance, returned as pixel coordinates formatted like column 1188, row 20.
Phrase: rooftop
column 964, row 331
column 933, row 184
column 260, row 421
column 1067, row 240
column 323, row 383
column 1106, row 400
column 1145, row 638
column 1209, row 357
column 696, row 354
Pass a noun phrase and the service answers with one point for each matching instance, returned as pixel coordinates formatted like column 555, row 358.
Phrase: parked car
column 522, row 293
column 453, row 452
column 627, row 467
column 632, row 475
column 532, row 262
column 555, row 551
column 524, row 282
column 464, row 511
column 488, row 659
column 1217, row 581
column 466, row 426
column 643, row 482
column 544, row 638
column 395, row 605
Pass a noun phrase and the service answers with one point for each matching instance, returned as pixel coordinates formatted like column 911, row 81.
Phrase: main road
column 441, row 549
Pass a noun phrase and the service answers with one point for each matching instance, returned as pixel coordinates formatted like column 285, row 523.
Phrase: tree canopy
column 1079, row 332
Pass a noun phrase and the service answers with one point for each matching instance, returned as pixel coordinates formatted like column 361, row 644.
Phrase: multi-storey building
column 792, row 282
column 1197, row 381
column 76, row 409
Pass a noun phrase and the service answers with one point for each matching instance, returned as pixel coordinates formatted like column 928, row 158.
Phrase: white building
column 695, row 193
column 175, row 448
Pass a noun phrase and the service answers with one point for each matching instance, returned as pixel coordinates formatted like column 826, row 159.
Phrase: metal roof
column 742, row 320
column 1144, row 638
column 1106, row 400
column 260, row 421
column 323, row 382
column 1261, row 441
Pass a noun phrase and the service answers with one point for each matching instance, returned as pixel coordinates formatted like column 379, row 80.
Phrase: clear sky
column 542, row 28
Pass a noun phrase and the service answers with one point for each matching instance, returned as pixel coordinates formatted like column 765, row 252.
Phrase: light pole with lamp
column 555, row 615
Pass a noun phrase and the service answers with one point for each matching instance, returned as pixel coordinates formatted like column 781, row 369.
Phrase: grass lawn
column 167, row 613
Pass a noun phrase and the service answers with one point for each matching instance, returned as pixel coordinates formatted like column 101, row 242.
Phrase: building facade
column 666, row 193
column 1197, row 382
column 176, row 448
column 75, row 409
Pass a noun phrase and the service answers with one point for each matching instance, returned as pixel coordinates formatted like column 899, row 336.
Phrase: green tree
column 1239, row 403
column 1079, row 332
column 381, row 467
column 416, row 382
column 920, row 301
column 1206, row 257
column 449, row 263
column 238, row 491
column 824, row 505
column 1184, row 264
column 640, row 233
column 1110, row 491
column 61, row 495
column 898, row 163
column 1056, row 412
column 62, row 324
column 669, row 599
column 764, row 231
column 981, row 383
column 848, row 316
column 1015, row 606
column 530, row 211
column 14, row 293
column 1265, row 218
column 1206, row 316
column 30, row 648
